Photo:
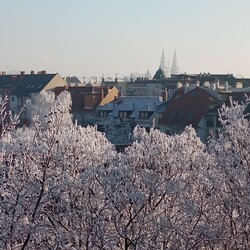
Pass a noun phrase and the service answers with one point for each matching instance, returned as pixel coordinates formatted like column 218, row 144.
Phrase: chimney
column 197, row 83
column 217, row 84
column 22, row 73
column 164, row 95
column 131, row 78
column 32, row 72
column 213, row 86
column 226, row 86
column 102, row 94
column 3, row 73
column 178, row 85
column 43, row 72
column 102, row 78
column 116, row 77
column 206, row 84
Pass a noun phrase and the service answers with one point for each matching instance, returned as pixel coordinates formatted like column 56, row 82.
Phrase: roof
column 24, row 85
column 207, row 77
column 159, row 74
column 186, row 107
column 72, row 79
column 133, row 104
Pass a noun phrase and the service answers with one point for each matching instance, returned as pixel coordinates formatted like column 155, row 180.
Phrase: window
column 143, row 115
column 13, row 98
column 123, row 114
column 103, row 113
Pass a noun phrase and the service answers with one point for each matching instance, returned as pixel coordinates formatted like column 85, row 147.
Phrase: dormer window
column 123, row 114
column 103, row 113
column 144, row 115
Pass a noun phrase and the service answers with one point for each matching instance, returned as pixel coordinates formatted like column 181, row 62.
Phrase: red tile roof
column 186, row 108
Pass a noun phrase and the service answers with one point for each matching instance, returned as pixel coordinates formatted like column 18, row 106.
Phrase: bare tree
column 65, row 187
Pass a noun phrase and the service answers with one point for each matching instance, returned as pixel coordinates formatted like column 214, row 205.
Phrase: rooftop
column 25, row 84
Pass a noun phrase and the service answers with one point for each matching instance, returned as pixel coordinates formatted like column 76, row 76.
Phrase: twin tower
column 174, row 70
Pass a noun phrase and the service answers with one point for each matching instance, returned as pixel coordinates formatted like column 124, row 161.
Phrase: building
column 146, row 85
column 85, row 100
column 119, row 117
column 19, row 87
column 189, row 106
column 164, row 65
column 175, row 68
column 73, row 81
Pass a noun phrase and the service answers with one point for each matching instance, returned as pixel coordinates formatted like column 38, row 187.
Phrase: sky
column 95, row 37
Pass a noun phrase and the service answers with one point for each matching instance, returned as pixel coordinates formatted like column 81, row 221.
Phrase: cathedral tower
column 163, row 64
column 174, row 67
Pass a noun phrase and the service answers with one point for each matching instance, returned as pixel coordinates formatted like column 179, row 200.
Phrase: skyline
column 94, row 37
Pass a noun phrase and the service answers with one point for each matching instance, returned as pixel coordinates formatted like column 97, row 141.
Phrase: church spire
column 163, row 61
column 163, row 64
column 175, row 67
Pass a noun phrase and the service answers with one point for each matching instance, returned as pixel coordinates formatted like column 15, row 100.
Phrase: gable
column 113, row 93
column 56, row 81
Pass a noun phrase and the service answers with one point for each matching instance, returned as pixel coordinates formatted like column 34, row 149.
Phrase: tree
column 41, row 178
column 40, row 105
column 156, row 197
column 65, row 187
column 7, row 121
column 231, row 178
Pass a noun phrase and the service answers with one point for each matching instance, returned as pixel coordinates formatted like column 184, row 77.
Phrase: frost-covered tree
column 231, row 178
column 44, row 182
column 7, row 121
column 156, row 191
column 40, row 104
column 64, row 187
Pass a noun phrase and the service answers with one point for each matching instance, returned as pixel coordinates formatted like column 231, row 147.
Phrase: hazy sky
column 91, row 37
